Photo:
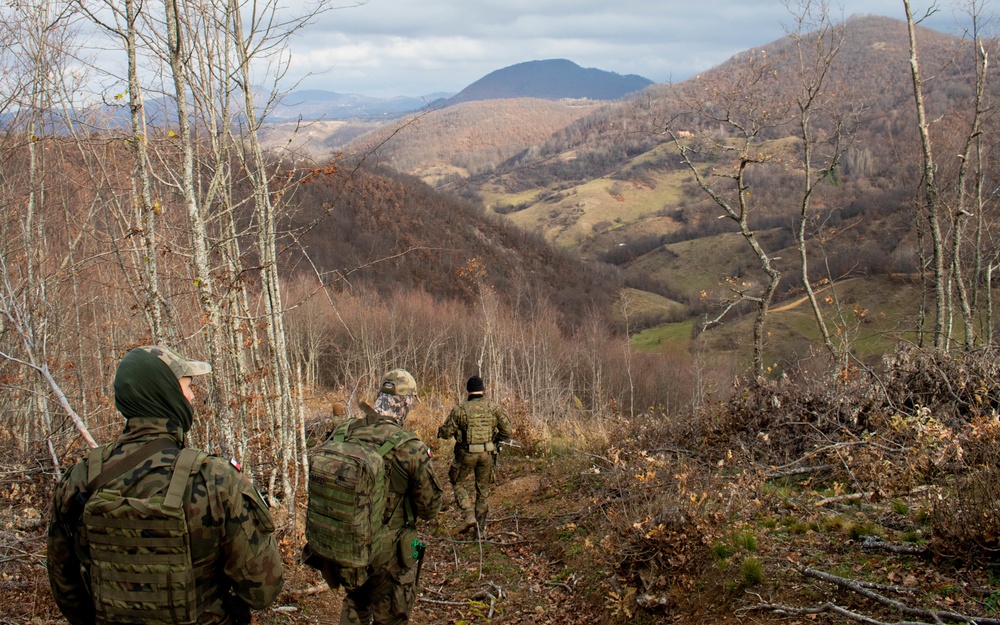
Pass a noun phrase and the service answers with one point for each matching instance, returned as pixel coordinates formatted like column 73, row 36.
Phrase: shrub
column 751, row 571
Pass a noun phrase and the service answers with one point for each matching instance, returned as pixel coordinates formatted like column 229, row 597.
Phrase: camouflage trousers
column 385, row 599
column 386, row 596
column 481, row 464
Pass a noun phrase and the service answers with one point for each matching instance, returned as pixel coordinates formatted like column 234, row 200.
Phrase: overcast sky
column 388, row 48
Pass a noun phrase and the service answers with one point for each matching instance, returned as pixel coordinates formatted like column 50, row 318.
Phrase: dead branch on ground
column 932, row 617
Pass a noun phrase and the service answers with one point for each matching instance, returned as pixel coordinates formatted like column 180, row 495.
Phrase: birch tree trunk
column 929, row 187
column 212, row 328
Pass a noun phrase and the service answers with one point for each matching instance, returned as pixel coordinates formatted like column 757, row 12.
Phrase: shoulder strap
column 99, row 476
column 185, row 464
column 346, row 429
column 395, row 440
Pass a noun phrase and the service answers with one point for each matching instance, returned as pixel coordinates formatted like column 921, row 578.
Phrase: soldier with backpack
column 145, row 530
column 368, row 485
column 478, row 426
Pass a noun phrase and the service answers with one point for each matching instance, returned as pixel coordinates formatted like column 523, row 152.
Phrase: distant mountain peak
column 552, row 79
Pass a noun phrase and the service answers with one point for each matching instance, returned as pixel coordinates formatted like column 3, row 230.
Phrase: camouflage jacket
column 230, row 527
column 456, row 425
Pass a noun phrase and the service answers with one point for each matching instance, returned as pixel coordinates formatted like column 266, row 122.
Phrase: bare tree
column 818, row 41
column 746, row 109
column 929, row 185
column 33, row 266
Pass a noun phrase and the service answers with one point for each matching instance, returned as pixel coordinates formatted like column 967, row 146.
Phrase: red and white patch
column 236, row 465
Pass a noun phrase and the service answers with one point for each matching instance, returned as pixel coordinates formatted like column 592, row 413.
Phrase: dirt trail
column 514, row 576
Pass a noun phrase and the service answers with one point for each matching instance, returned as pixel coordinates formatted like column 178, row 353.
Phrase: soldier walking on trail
column 478, row 426
column 382, row 591
column 144, row 530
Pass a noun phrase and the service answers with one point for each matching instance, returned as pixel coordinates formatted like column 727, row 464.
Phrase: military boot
column 468, row 524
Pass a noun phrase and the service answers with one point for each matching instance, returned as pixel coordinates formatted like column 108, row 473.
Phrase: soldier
column 478, row 425
column 109, row 561
column 384, row 591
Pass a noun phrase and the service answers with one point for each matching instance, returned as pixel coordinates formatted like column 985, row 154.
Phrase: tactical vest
column 346, row 519
column 140, row 551
column 479, row 425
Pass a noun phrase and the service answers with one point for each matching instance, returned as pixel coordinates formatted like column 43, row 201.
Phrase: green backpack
column 141, row 569
column 348, row 482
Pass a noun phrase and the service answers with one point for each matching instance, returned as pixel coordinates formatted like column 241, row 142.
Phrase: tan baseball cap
column 182, row 367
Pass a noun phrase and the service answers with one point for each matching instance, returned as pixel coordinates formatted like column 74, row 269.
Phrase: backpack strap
column 395, row 440
column 340, row 434
column 185, row 464
column 99, row 474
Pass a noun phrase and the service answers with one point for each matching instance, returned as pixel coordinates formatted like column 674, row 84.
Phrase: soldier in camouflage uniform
column 478, row 425
column 237, row 565
column 384, row 593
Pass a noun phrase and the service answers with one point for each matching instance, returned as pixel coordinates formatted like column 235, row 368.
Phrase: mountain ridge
column 552, row 79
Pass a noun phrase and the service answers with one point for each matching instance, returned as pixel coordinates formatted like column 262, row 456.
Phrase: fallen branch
column 935, row 616
column 847, row 497
column 874, row 543
column 443, row 602
column 854, row 496
column 312, row 590
column 799, row 471
column 787, row 610
column 569, row 585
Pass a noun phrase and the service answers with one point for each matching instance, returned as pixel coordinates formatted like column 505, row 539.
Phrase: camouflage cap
column 398, row 382
column 182, row 367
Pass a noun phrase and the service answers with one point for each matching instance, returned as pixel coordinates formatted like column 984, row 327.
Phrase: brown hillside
column 392, row 231
column 467, row 138
column 612, row 184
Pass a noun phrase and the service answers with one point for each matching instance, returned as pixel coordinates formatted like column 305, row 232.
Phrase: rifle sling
column 120, row 465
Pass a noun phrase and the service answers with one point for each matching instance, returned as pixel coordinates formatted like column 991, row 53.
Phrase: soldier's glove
column 442, row 433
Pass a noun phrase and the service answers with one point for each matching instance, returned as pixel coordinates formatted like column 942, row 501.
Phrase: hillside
column 612, row 185
column 606, row 182
column 471, row 137
column 605, row 178
column 393, row 232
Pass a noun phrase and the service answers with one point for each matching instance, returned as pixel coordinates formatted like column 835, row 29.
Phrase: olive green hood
column 147, row 389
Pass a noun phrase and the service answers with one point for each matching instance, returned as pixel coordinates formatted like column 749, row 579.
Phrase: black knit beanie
column 475, row 385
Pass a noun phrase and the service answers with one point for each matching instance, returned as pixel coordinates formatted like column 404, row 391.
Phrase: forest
column 667, row 482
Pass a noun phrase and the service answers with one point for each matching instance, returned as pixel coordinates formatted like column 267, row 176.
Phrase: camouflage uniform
column 387, row 594
column 481, row 462
column 229, row 526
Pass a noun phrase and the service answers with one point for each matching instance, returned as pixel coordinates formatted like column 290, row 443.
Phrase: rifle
column 500, row 445
column 419, row 547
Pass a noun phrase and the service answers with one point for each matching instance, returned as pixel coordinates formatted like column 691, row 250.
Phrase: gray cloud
column 401, row 47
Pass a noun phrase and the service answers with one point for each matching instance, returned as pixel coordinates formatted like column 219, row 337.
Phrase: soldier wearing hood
column 107, row 567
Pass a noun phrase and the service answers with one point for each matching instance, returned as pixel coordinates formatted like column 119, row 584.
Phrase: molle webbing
column 348, row 483
column 141, row 568
column 480, row 422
